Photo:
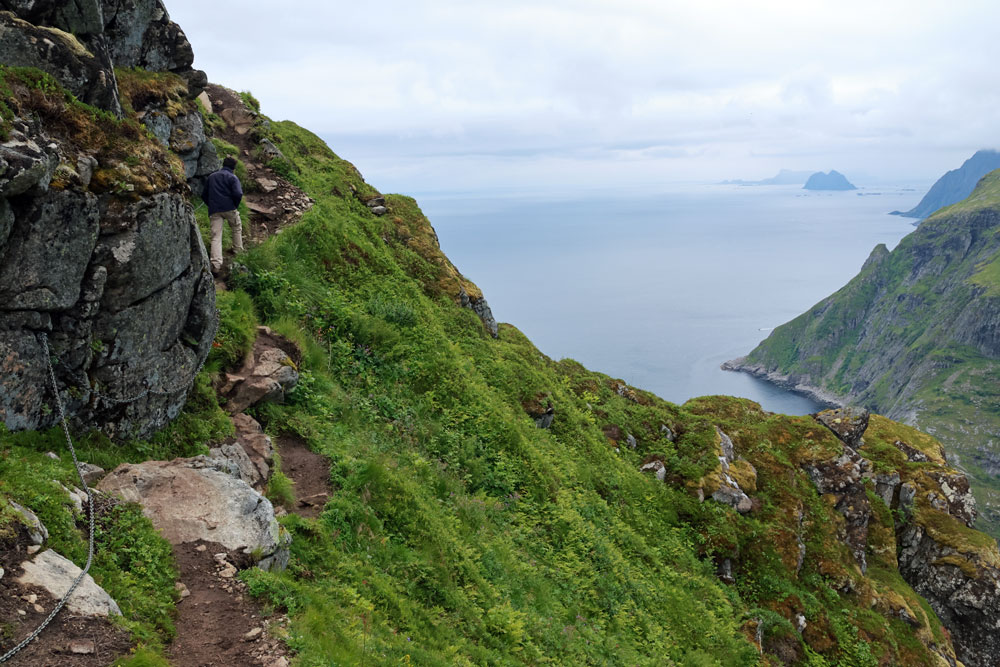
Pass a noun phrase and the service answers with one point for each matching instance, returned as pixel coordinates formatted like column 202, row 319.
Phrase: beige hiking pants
column 233, row 218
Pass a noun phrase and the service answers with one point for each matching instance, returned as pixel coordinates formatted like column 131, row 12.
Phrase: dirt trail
column 274, row 203
column 216, row 625
column 309, row 471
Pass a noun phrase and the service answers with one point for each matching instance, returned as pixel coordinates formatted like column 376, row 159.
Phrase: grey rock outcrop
column 729, row 491
column 844, row 477
column 141, row 34
column 124, row 295
column 201, row 499
column 954, row 568
column 481, row 308
column 64, row 39
column 55, row 574
column 37, row 533
column 848, row 423
column 117, row 281
column 729, row 482
column 963, row 587
column 656, row 467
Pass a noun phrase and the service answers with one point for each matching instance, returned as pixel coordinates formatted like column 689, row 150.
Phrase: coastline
column 786, row 382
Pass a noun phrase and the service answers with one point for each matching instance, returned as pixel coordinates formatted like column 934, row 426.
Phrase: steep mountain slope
column 955, row 185
column 487, row 505
column 914, row 336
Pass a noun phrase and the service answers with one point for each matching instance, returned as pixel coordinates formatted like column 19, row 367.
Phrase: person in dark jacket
column 222, row 195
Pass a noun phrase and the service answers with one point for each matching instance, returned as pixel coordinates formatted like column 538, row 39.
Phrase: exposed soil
column 23, row 608
column 268, row 339
column 310, row 472
column 217, row 625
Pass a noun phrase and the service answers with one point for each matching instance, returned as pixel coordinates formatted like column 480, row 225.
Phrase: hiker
column 222, row 195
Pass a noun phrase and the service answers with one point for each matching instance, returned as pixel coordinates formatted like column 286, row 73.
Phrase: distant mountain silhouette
column 834, row 180
column 956, row 185
column 783, row 177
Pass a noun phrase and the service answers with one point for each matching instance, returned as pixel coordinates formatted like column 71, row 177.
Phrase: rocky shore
column 793, row 383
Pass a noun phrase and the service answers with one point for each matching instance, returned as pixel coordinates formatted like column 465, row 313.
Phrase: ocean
column 659, row 288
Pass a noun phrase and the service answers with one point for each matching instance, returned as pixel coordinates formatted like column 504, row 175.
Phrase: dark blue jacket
column 223, row 191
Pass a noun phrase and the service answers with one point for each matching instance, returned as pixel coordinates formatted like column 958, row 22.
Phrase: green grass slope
column 460, row 533
column 914, row 335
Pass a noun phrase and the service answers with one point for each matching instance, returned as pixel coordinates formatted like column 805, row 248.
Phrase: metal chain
column 90, row 509
column 79, row 472
column 166, row 391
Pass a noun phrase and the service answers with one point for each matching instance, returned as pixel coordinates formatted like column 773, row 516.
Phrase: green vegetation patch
column 132, row 163
column 143, row 89
column 131, row 561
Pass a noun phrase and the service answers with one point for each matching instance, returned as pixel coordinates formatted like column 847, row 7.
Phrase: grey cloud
column 549, row 88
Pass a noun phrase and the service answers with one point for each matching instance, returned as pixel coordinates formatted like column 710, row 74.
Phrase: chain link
column 90, row 494
column 149, row 391
column 90, row 510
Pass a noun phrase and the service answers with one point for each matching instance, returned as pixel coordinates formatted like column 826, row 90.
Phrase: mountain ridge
column 908, row 331
column 954, row 185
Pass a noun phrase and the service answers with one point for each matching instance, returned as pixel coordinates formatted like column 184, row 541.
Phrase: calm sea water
column 661, row 288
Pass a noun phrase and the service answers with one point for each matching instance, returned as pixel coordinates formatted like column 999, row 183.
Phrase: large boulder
column 123, row 292
column 24, row 165
column 266, row 375
column 55, row 574
column 201, row 499
column 141, row 34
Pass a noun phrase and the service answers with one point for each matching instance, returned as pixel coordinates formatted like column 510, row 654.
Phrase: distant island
column 955, row 185
column 783, row 177
column 833, row 180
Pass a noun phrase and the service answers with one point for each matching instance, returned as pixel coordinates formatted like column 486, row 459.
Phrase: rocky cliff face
column 914, row 335
column 892, row 509
column 100, row 251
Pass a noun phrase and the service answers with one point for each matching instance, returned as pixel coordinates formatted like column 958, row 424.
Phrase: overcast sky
column 453, row 95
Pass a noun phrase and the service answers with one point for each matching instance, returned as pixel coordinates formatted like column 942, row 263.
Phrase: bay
column 659, row 288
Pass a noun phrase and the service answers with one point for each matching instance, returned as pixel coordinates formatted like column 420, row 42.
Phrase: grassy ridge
column 458, row 532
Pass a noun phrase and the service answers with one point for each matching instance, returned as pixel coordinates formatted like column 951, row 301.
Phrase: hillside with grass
column 480, row 503
column 914, row 336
